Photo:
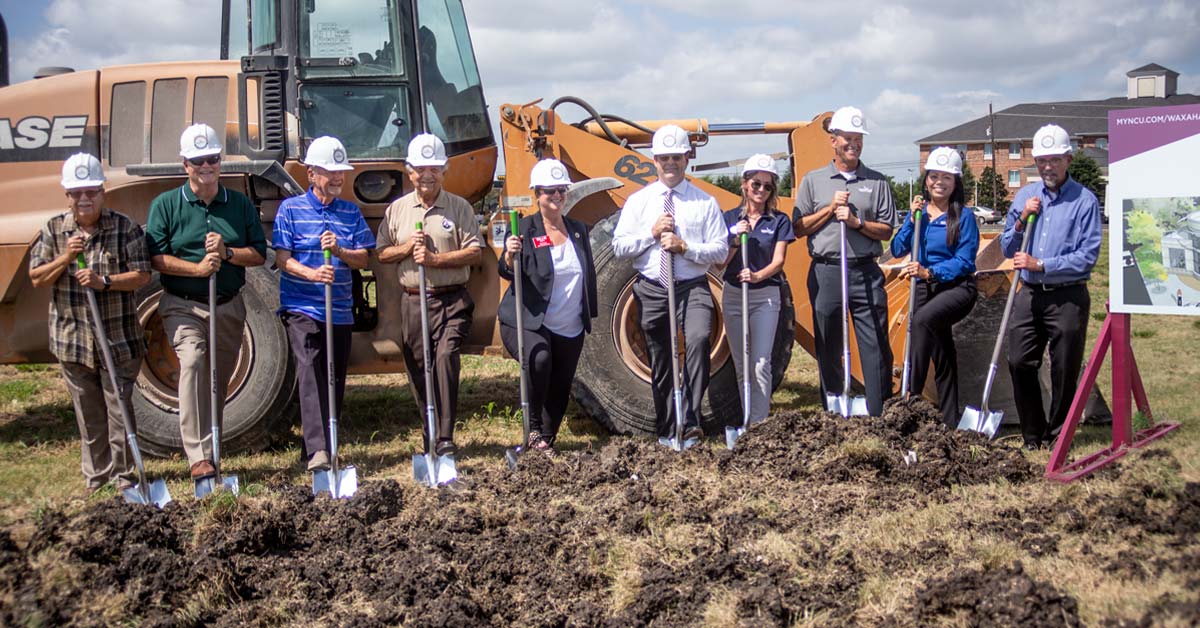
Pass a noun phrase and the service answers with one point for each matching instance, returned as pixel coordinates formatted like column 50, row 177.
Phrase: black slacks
column 868, row 309
column 550, row 361
column 307, row 337
column 694, row 304
column 1041, row 317
column 939, row 307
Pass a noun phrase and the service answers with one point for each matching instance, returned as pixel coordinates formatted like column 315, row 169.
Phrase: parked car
column 987, row 215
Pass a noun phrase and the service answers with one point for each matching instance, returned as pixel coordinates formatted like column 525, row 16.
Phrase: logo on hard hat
column 669, row 141
column 763, row 162
column 339, row 155
column 1047, row 141
column 943, row 160
column 200, row 141
column 856, row 121
column 81, row 172
column 427, row 152
column 557, row 173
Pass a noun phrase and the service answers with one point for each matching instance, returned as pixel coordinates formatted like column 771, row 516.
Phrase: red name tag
column 541, row 241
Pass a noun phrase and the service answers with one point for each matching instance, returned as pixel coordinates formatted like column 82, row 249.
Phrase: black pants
column 307, row 337
column 694, row 303
column 550, row 361
column 1039, row 317
column 868, row 309
column 449, row 323
column 939, row 307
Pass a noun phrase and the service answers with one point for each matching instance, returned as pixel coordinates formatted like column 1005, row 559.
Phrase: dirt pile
column 999, row 597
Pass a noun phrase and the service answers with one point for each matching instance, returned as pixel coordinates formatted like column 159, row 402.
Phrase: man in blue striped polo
column 305, row 226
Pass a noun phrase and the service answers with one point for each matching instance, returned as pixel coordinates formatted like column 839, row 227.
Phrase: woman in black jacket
column 559, row 293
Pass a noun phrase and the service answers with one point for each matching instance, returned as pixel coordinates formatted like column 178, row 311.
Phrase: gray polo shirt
column 870, row 199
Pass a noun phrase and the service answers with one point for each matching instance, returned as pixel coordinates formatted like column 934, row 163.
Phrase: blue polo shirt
column 299, row 224
column 1066, row 234
column 945, row 262
column 772, row 228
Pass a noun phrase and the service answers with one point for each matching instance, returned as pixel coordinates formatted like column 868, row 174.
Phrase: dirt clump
column 991, row 597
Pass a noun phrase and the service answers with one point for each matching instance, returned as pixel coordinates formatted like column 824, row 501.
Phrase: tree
column 727, row 183
column 1141, row 228
column 993, row 191
column 785, row 184
column 969, row 191
column 1085, row 170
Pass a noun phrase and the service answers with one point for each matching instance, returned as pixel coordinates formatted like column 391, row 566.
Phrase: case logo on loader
column 36, row 138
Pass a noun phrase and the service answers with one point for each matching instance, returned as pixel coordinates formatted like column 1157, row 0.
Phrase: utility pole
column 992, row 137
column 910, row 186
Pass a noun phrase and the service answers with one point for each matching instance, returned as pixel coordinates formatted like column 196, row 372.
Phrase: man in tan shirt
column 446, row 245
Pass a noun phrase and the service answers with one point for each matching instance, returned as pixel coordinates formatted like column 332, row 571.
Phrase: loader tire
column 262, row 398
column 612, row 382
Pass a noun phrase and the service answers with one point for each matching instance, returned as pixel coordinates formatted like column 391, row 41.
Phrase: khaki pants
column 104, row 449
column 449, row 324
column 186, row 324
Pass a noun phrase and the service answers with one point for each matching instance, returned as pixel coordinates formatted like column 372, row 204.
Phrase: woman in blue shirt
column 945, row 268
column 769, row 232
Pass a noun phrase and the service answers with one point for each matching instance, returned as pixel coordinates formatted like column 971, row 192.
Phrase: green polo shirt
column 178, row 224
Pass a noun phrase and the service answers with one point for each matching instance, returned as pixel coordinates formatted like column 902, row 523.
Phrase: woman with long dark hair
column 768, row 233
column 945, row 268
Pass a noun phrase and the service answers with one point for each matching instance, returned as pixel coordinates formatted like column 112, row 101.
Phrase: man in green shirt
column 195, row 231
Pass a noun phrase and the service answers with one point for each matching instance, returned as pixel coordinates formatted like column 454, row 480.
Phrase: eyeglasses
column 211, row 160
column 552, row 191
column 92, row 193
column 671, row 157
column 757, row 185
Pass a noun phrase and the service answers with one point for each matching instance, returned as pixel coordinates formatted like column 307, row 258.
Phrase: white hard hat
column 670, row 140
column 945, row 159
column 759, row 163
column 1051, row 140
column 426, row 149
column 82, row 170
column 849, row 119
column 199, row 140
column 327, row 152
column 549, row 173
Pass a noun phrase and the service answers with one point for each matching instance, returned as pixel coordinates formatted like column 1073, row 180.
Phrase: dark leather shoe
column 203, row 469
column 693, row 432
column 446, row 448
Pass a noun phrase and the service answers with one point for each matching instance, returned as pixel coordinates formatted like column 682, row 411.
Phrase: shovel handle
column 328, row 256
column 80, row 261
column 513, row 216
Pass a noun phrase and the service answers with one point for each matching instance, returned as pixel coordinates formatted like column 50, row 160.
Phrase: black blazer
column 537, row 270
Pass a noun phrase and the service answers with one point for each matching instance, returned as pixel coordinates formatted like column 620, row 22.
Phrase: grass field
column 39, row 463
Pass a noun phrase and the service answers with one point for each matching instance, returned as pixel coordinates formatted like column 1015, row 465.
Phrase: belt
column 682, row 282
column 1050, row 287
column 851, row 261
column 204, row 299
column 435, row 291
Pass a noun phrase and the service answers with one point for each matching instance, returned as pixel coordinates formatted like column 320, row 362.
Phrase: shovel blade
column 207, row 485
column 434, row 470
column 732, row 434
column 675, row 445
column 511, row 455
column 985, row 423
column 340, row 485
column 159, row 495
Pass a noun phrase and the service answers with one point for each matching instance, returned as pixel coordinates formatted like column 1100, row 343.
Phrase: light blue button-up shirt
column 1066, row 233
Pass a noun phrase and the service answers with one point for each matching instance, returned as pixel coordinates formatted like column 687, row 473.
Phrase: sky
column 915, row 68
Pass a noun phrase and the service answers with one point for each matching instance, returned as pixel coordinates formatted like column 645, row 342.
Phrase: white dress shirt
column 698, row 222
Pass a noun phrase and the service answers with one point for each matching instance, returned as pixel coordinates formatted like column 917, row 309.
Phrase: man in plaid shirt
column 114, row 249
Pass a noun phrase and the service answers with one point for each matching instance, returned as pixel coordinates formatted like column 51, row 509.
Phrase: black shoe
column 1033, row 444
column 446, row 447
column 693, row 433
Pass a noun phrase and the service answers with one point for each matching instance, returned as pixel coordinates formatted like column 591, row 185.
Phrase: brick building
column 1086, row 120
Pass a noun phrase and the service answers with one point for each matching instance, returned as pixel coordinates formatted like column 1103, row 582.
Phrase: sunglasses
column 552, row 191
column 671, row 157
column 211, row 160
column 77, row 194
column 757, row 185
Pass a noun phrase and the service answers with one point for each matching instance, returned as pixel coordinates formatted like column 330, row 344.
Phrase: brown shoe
column 319, row 461
column 203, row 470
column 693, row 432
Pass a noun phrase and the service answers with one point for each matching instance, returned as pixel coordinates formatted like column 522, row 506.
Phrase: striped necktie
column 664, row 257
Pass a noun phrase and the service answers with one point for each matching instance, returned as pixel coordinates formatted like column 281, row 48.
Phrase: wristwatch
column 107, row 281
column 228, row 253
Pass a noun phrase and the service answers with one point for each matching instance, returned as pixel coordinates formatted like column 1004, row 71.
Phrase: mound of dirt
column 998, row 597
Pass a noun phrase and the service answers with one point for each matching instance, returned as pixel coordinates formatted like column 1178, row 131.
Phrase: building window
column 1014, row 178
column 1102, row 142
column 1074, row 145
column 1014, row 150
column 962, row 150
column 1145, row 87
column 987, row 150
column 1178, row 258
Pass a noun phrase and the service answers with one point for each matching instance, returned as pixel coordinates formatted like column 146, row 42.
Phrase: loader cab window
column 454, row 105
column 264, row 24
column 345, row 38
column 371, row 120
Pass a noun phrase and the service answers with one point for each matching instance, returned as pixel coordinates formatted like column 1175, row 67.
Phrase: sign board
column 1153, row 203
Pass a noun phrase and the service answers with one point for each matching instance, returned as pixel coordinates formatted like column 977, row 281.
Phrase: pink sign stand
column 1114, row 337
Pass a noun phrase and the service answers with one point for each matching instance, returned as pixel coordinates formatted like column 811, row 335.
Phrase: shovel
column 982, row 419
column 846, row 404
column 731, row 432
column 209, row 484
column 143, row 492
column 344, row 482
column 675, row 442
column 905, row 379
column 429, row 468
column 512, row 453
